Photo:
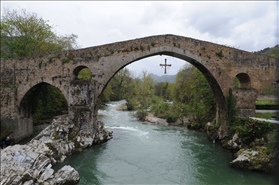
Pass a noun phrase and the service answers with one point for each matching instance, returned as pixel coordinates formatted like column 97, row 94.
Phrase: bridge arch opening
column 82, row 73
column 242, row 80
column 215, row 87
column 42, row 101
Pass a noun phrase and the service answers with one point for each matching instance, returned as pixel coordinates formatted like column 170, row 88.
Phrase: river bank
column 32, row 163
column 252, row 142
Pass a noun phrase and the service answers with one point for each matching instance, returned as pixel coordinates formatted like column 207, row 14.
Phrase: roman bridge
column 22, row 78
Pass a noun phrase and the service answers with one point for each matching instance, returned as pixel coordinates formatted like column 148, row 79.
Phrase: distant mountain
column 164, row 78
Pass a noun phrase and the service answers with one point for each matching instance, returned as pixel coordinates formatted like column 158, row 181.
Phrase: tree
column 121, row 85
column 192, row 90
column 105, row 96
column 181, row 91
column 25, row 34
column 202, row 103
column 147, row 90
column 163, row 89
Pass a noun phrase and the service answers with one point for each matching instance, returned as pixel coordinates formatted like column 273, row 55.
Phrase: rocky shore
column 32, row 163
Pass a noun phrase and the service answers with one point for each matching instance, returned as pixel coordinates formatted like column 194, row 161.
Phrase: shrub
column 141, row 114
column 250, row 129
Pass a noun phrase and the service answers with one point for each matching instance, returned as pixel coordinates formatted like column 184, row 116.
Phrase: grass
column 266, row 102
column 266, row 115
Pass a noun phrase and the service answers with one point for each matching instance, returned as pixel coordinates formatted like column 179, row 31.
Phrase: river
column 140, row 153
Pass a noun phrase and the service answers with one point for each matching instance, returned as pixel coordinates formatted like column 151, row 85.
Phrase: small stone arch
column 77, row 71
column 243, row 80
column 275, row 84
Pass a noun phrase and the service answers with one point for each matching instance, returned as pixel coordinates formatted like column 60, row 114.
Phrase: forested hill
column 272, row 52
column 164, row 78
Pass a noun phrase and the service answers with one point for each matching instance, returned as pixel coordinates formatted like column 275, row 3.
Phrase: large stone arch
column 187, row 56
column 191, row 58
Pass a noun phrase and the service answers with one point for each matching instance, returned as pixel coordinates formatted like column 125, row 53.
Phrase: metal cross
column 165, row 65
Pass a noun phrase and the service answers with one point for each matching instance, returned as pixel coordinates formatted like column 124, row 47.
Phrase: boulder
column 66, row 175
column 234, row 143
column 150, row 118
column 257, row 158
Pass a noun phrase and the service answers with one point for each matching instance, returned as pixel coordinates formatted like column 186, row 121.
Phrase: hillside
column 272, row 52
column 164, row 78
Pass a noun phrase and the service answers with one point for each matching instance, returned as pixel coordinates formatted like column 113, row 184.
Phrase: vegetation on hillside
column 272, row 52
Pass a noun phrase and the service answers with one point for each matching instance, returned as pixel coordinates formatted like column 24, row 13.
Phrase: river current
column 141, row 153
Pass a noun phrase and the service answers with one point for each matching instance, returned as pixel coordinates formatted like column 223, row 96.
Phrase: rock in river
column 32, row 163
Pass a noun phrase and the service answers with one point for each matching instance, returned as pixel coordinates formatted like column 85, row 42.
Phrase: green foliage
column 48, row 103
column 122, row 86
column 191, row 94
column 272, row 52
column 132, row 103
column 266, row 102
column 236, row 83
column 266, row 115
column 139, row 92
column 270, row 90
column 231, row 110
column 25, row 34
column 6, row 129
column 267, row 105
column 165, row 110
column 250, row 129
column 160, row 108
column 141, row 114
column 84, row 74
column 141, row 48
column 192, row 89
column 181, row 91
column 220, row 54
column 146, row 90
column 163, row 90
column 105, row 97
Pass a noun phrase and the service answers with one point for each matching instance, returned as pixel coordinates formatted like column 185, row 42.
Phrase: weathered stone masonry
column 220, row 65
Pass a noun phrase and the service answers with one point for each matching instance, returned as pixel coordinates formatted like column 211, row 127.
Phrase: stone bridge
column 22, row 78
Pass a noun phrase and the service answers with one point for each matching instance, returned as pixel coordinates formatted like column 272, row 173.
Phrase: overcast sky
column 250, row 26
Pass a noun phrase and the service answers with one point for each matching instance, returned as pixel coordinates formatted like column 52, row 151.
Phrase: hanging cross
column 165, row 65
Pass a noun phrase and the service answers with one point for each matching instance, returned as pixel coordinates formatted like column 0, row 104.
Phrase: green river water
column 140, row 153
